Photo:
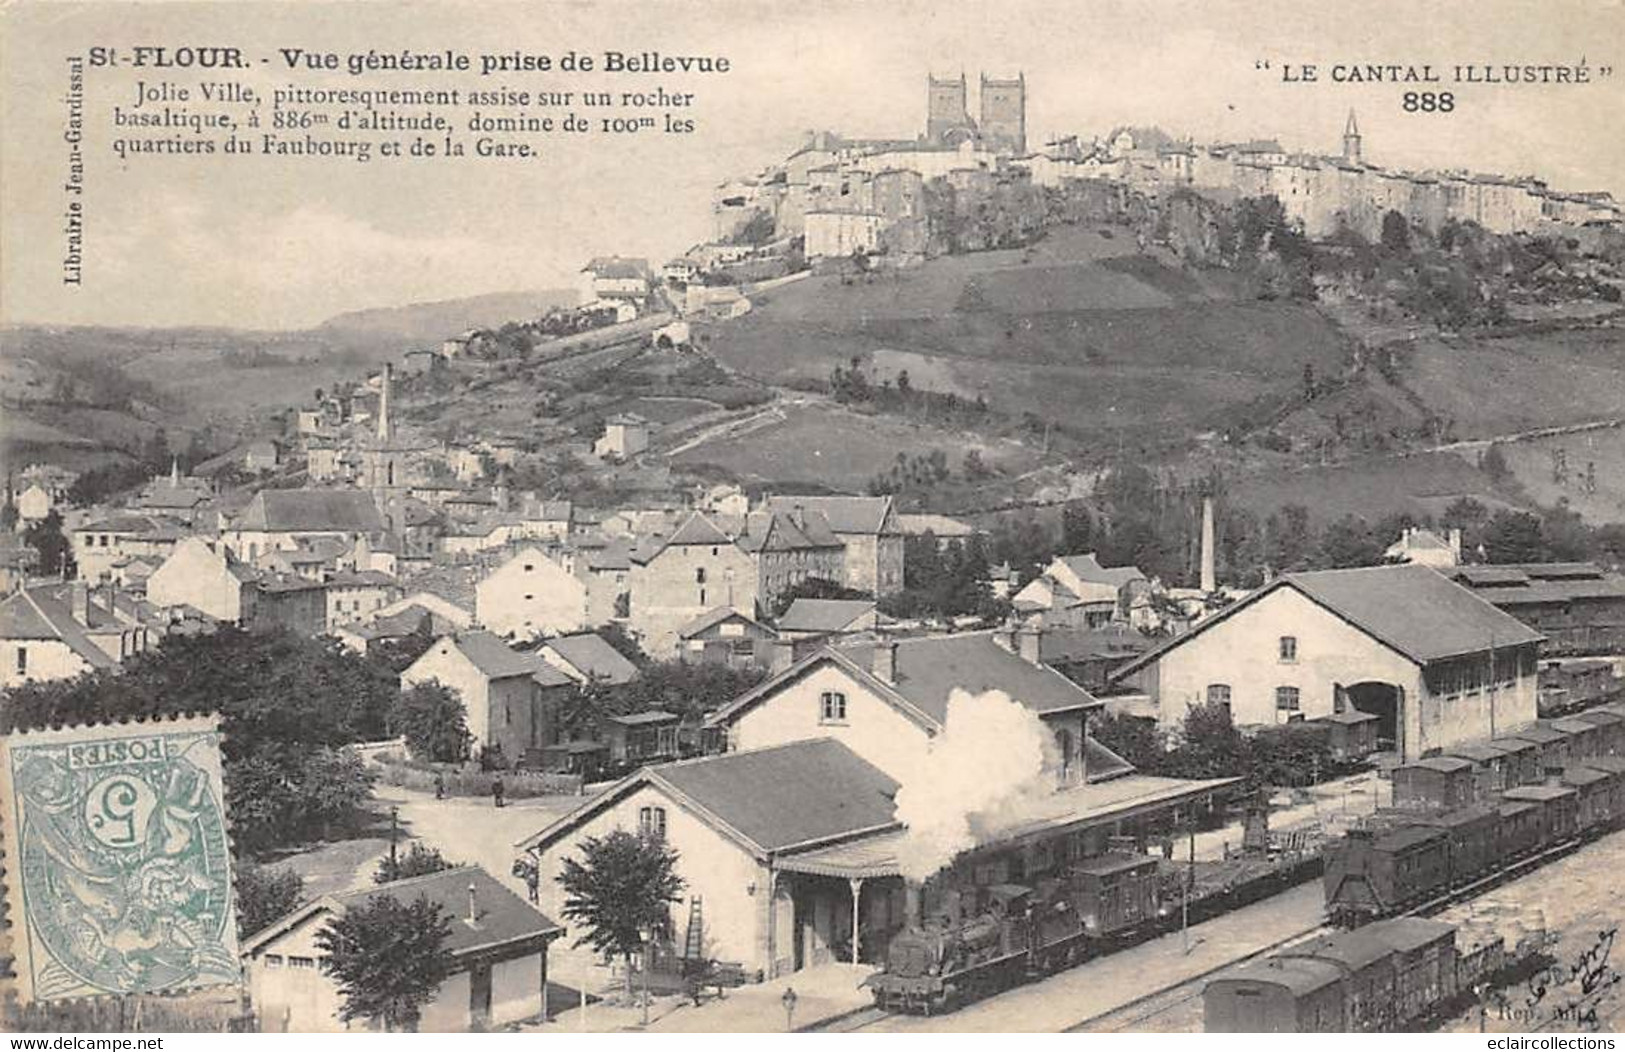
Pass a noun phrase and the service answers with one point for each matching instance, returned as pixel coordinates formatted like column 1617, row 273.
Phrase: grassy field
column 1117, row 348
column 822, row 445
column 1497, row 386
column 1422, row 484
column 1533, row 461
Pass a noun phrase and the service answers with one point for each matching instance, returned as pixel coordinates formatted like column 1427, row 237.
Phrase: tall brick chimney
column 1210, row 576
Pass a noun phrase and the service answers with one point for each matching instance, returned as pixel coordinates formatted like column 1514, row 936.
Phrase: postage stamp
column 119, row 877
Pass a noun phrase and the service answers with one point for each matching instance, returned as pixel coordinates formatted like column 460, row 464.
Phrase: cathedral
column 1002, row 126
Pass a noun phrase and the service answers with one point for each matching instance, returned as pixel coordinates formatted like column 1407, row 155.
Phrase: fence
column 207, row 1012
column 396, row 769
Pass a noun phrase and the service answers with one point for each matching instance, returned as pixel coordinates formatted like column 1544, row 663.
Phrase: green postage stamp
column 119, row 865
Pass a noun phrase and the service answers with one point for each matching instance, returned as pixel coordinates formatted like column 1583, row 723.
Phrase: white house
column 530, row 595
column 206, row 577
column 887, row 699
column 504, row 692
column 34, row 504
column 1075, row 591
column 1435, row 663
column 1418, row 544
column 625, row 435
column 498, row 944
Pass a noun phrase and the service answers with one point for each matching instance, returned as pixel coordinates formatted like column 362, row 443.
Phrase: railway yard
column 1580, row 991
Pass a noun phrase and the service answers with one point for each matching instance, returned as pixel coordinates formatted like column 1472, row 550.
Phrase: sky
column 262, row 242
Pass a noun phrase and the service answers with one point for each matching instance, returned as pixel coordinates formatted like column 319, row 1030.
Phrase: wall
column 516, row 989
column 1242, row 651
column 666, row 591
column 48, row 659
column 715, row 868
column 531, row 595
column 873, row 729
column 196, row 576
column 297, row 1000
column 443, row 662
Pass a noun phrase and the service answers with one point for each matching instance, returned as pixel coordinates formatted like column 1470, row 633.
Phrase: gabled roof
column 494, row 658
column 589, row 654
column 500, row 916
column 843, row 514
column 776, row 531
column 311, row 511
column 1413, row 610
column 767, row 800
column 699, row 530
column 618, row 267
column 715, row 617
column 926, row 671
column 40, row 614
column 824, row 615
column 1087, row 568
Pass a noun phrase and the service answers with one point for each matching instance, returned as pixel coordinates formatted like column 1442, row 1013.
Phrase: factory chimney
column 1210, row 577
column 386, row 430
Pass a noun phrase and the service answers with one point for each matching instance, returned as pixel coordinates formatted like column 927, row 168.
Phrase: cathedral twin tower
column 1003, row 123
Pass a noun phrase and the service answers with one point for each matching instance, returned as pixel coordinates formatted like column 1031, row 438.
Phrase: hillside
column 433, row 322
column 1108, row 346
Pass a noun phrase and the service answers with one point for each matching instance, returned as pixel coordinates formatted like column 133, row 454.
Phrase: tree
column 46, row 538
column 1350, row 541
column 1396, row 233
column 623, row 886
column 1513, row 537
column 288, row 704
column 1494, row 464
column 264, row 894
column 430, row 716
column 418, row 862
column 387, row 958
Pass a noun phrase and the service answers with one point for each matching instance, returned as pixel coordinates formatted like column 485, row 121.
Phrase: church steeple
column 1351, row 140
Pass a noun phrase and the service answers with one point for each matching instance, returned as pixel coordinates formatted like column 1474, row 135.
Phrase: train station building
column 792, row 834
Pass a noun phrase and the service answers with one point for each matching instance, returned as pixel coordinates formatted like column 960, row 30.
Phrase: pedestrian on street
column 496, row 791
column 439, row 785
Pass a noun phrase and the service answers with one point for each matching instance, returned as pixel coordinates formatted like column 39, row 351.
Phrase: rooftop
column 311, row 511
column 595, row 659
column 824, row 615
column 843, row 514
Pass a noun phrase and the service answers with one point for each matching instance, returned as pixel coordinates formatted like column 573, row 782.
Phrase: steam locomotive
column 986, row 939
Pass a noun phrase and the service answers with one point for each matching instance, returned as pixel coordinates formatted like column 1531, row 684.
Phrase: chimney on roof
column 1455, row 542
column 798, row 515
column 473, row 904
column 782, row 654
column 884, row 662
column 1029, row 638
column 1005, row 636
column 1210, row 580
column 79, row 601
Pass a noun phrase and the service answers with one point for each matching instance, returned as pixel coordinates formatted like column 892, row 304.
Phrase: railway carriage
column 1471, row 839
column 1560, row 810
column 1611, row 734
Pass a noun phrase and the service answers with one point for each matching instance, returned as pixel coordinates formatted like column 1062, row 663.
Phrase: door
column 479, row 997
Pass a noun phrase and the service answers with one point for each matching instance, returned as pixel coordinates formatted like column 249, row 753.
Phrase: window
column 301, row 962
column 1289, row 648
column 652, row 822
column 699, row 575
column 832, row 707
column 1218, row 694
column 22, row 661
column 529, row 567
column 273, row 960
column 1286, row 699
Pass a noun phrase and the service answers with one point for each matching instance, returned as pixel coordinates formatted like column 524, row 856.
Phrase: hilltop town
column 949, row 452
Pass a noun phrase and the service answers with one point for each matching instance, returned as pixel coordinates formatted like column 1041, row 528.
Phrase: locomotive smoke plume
column 993, row 755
